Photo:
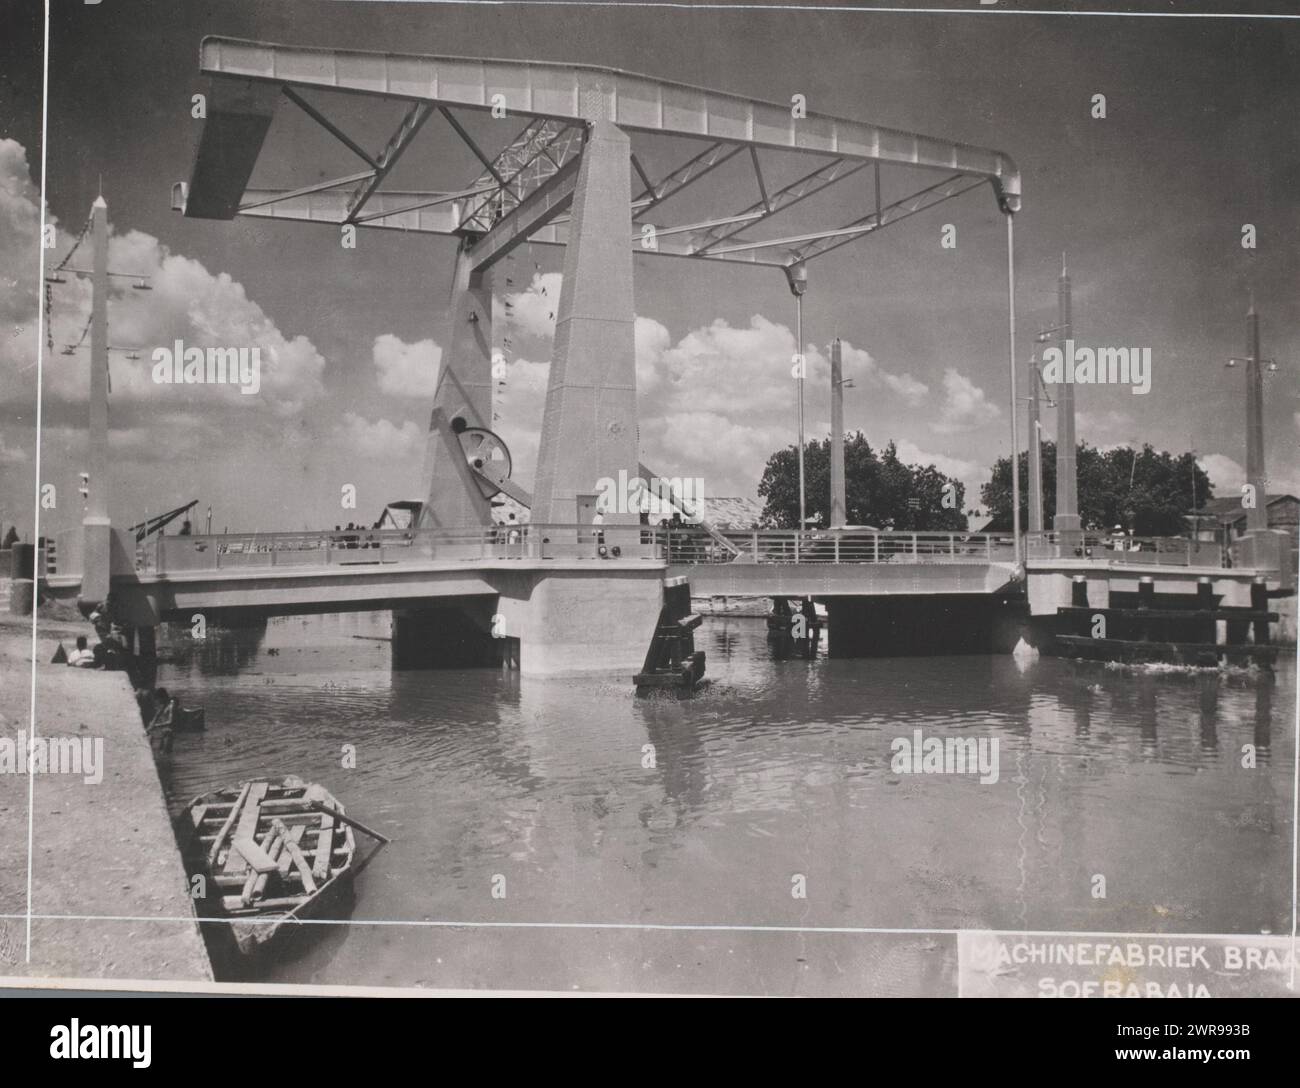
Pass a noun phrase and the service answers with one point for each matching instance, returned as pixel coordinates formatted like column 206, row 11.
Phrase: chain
column 49, row 287
column 81, row 237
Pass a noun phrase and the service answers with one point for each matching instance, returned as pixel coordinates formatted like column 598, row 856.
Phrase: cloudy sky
column 1199, row 139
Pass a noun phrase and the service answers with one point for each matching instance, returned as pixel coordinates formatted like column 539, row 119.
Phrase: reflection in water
column 598, row 806
column 1208, row 700
column 1263, row 717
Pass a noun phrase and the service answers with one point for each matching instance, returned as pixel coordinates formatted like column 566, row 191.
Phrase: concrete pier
column 101, row 850
column 555, row 623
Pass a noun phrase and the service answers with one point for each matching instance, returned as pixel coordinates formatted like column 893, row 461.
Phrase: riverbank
column 109, row 894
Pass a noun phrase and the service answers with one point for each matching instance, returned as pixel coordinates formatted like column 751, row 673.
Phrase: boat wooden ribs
column 271, row 851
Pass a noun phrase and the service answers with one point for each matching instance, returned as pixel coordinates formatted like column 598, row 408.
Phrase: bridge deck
column 358, row 568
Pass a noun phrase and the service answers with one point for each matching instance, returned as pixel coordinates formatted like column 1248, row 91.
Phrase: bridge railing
column 1169, row 551
column 376, row 547
column 691, row 545
column 687, row 545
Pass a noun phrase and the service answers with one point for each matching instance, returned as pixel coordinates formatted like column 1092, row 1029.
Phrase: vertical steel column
column 839, row 505
column 1067, row 469
column 1034, row 437
column 1011, row 355
column 796, row 276
column 1256, row 518
column 97, row 526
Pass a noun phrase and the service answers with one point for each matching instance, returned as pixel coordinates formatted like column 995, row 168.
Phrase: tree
column 1148, row 491
column 879, row 489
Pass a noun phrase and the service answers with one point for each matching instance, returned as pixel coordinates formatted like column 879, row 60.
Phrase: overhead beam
column 556, row 233
column 758, row 176
column 687, row 174
column 397, row 143
column 541, row 224
column 435, row 213
column 635, row 103
column 640, row 172
column 329, row 126
column 277, row 195
column 554, row 197
column 899, row 210
column 525, row 163
column 427, row 201
column 787, row 197
column 468, row 140
column 424, row 213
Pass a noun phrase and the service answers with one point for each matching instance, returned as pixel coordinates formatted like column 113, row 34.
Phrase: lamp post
column 796, row 276
column 1038, row 396
column 1256, row 476
column 839, row 383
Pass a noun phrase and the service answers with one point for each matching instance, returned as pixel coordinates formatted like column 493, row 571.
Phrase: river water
column 572, row 856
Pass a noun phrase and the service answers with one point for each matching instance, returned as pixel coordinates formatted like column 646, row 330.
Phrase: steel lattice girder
column 559, row 100
column 527, row 162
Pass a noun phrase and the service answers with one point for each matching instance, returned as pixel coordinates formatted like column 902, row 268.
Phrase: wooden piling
column 1259, row 605
column 1207, row 627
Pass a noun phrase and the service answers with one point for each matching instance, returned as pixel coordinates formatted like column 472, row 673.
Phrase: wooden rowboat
column 271, row 852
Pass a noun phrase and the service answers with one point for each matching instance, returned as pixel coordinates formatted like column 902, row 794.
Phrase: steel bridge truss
column 524, row 191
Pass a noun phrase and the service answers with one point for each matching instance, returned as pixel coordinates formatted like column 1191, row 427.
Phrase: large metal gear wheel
column 488, row 456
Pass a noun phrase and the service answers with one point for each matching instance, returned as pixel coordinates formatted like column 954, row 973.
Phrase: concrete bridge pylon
column 462, row 398
column 589, row 424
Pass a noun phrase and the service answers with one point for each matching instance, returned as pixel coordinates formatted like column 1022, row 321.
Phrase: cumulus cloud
column 19, row 275
column 188, row 303
column 1225, row 474
column 518, row 415
column 1105, row 429
column 407, row 369
column 380, row 439
column 863, row 369
column 970, row 473
column 206, row 310
column 1228, row 475
column 718, row 388
column 531, row 312
column 965, row 407
column 652, row 340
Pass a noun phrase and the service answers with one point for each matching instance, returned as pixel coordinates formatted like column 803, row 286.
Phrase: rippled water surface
column 778, row 768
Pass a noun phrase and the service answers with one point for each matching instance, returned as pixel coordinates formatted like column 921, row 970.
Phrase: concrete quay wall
column 109, row 896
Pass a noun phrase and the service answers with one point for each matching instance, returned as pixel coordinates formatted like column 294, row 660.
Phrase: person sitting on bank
column 82, row 657
column 164, row 710
column 159, row 731
column 109, row 653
